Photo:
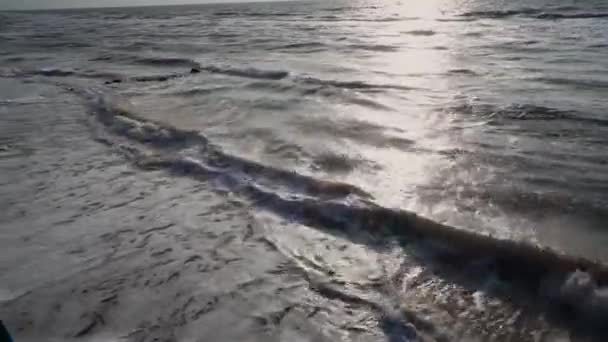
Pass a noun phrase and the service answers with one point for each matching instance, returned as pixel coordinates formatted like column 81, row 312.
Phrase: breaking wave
column 570, row 281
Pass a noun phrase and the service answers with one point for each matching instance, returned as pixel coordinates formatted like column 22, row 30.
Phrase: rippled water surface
column 311, row 171
column 485, row 115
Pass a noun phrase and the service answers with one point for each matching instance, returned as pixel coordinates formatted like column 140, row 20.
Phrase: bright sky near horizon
column 44, row 4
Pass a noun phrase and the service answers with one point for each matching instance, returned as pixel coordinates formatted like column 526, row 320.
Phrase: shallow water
column 336, row 123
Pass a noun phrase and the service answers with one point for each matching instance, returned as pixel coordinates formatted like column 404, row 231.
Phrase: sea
column 441, row 166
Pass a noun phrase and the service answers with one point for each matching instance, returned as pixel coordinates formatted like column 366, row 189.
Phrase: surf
column 335, row 206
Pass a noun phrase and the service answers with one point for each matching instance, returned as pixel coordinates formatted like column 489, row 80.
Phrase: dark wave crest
column 462, row 72
column 303, row 45
column 597, row 46
column 156, row 78
column 571, row 16
column 142, row 60
column 253, row 14
column 166, row 61
column 531, row 13
column 59, row 72
column 54, row 72
column 110, row 78
column 200, row 91
column 421, row 32
column 248, row 72
column 501, row 13
column 334, row 18
column 525, row 112
column 575, row 82
column 374, row 47
column 351, row 84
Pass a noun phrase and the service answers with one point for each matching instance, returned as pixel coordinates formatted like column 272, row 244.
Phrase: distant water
column 485, row 115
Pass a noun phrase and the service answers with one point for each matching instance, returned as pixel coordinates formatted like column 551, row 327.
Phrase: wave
column 300, row 46
column 248, row 72
column 137, row 45
column 273, row 75
column 335, row 18
column 100, row 75
column 14, row 59
column 462, row 72
column 351, row 84
column 118, row 118
column 166, row 61
column 384, row 19
column 374, row 47
column 531, row 13
column 517, row 200
column 117, row 16
column 59, row 72
column 110, row 78
column 566, row 8
column 156, row 78
column 456, row 20
column 420, row 32
column 361, row 132
column 226, row 13
column 366, row 102
column 335, row 163
column 577, row 283
column 349, row 8
column 253, row 14
column 54, row 72
column 200, row 91
column 501, row 13
column 571, row 16
column 141, row 60
column 100, row 58
column 221, row 35
column 195, row 69
column 316, row 89
column 580, row 83
column 121, row 120
column 62, row 44
column 524, row 112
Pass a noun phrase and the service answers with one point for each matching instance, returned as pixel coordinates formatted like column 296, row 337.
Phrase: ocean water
column 478, row 126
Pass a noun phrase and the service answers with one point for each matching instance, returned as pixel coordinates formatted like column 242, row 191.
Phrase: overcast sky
column 32, row 4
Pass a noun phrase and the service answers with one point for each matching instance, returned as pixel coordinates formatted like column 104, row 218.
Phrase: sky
column 43, row 4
